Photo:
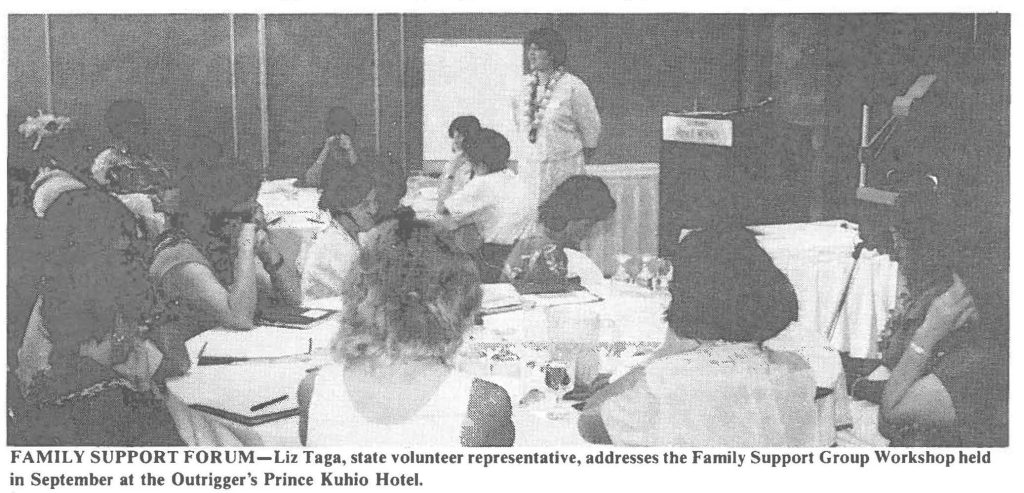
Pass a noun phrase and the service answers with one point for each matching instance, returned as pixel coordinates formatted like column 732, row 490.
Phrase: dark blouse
column 970, row 364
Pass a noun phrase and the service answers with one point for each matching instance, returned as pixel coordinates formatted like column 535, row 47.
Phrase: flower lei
column 42, row 125
column 539, row 100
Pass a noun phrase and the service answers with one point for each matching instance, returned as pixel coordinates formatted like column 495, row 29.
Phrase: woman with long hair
column 948, row 380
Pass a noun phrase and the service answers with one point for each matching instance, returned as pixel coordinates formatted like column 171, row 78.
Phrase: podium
column 748, row 168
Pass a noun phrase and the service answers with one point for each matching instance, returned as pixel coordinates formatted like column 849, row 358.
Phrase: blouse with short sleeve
column 721, row 395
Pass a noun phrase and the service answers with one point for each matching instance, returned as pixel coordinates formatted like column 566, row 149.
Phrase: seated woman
column 495, row 201
column 126, row 166
column 338, row 151
column 948, row 382
column 394, row 383
column 458, row 170
column 712, row 383
column 567, row 217
column 86, row 368
column 356, row 205
column 214, row 266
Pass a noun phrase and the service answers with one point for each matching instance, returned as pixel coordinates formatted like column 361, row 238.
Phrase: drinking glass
column 645, row 277
column 622, row 272
column 663, row 275
column 558, row 376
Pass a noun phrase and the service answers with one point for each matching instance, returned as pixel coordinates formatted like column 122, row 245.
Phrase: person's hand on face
column 340, row 141
column 948, row 312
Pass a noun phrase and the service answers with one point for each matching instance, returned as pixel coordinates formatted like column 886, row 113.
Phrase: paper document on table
column 555, row 299
column 231, row 392
column 499, row 297
column 265, row 342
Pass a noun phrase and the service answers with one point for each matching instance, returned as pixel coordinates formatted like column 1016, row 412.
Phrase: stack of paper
column 499, row 297
column 555, row 299
column 232, row 391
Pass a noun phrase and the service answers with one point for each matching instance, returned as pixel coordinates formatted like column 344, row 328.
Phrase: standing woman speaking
column 557, row 113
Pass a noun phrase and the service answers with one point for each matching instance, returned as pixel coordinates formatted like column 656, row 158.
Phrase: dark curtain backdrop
column 176, row 65
column 820, row 69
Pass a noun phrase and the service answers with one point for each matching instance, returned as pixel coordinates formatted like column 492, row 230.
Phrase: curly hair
column 413, row 295
column 726, row 287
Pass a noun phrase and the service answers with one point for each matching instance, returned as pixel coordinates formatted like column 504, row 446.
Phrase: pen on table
column 314, row 220
column 310, row 346
column 269, row 403
column 202, row 350
column 275, row 220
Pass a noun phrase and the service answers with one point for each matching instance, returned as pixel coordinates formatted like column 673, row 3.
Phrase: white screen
column 477, row 78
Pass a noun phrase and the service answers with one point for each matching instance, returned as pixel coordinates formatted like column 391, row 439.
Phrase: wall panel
column 315, row 62
column 177, row 65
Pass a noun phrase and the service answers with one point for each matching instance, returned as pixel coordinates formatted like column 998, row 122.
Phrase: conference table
column 845, row 300
column 488, row 347
column 509, row 348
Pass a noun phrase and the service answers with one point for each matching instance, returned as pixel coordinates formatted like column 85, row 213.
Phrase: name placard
column 691, row 130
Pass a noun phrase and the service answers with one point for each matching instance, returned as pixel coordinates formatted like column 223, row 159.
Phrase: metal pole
column 376, row 85
column 863, row 145
column 264, row 117
column 49, row 63
column 234, row 86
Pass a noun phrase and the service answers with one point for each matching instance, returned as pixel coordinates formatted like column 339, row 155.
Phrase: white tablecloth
column 630, row 318
column 295, row 216
column 817, row 258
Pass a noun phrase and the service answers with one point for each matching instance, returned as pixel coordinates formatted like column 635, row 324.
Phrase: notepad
column 229, row 392
column 246, row 420
column 291, row 316
column 498, row 298
column 556, row 299
column 266, row 341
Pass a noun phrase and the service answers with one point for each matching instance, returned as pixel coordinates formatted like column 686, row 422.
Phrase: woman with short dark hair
column 338, row 152
column 557, row 114
column 567, row 217
column 712, row 382
column 414, row 296
column 127, row 165
column 495, row 202
column 366, row 198
column 458, row 170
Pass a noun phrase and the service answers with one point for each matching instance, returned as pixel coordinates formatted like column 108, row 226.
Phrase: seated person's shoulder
column 171, row 254
column 489, row 416
column 489, row 396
